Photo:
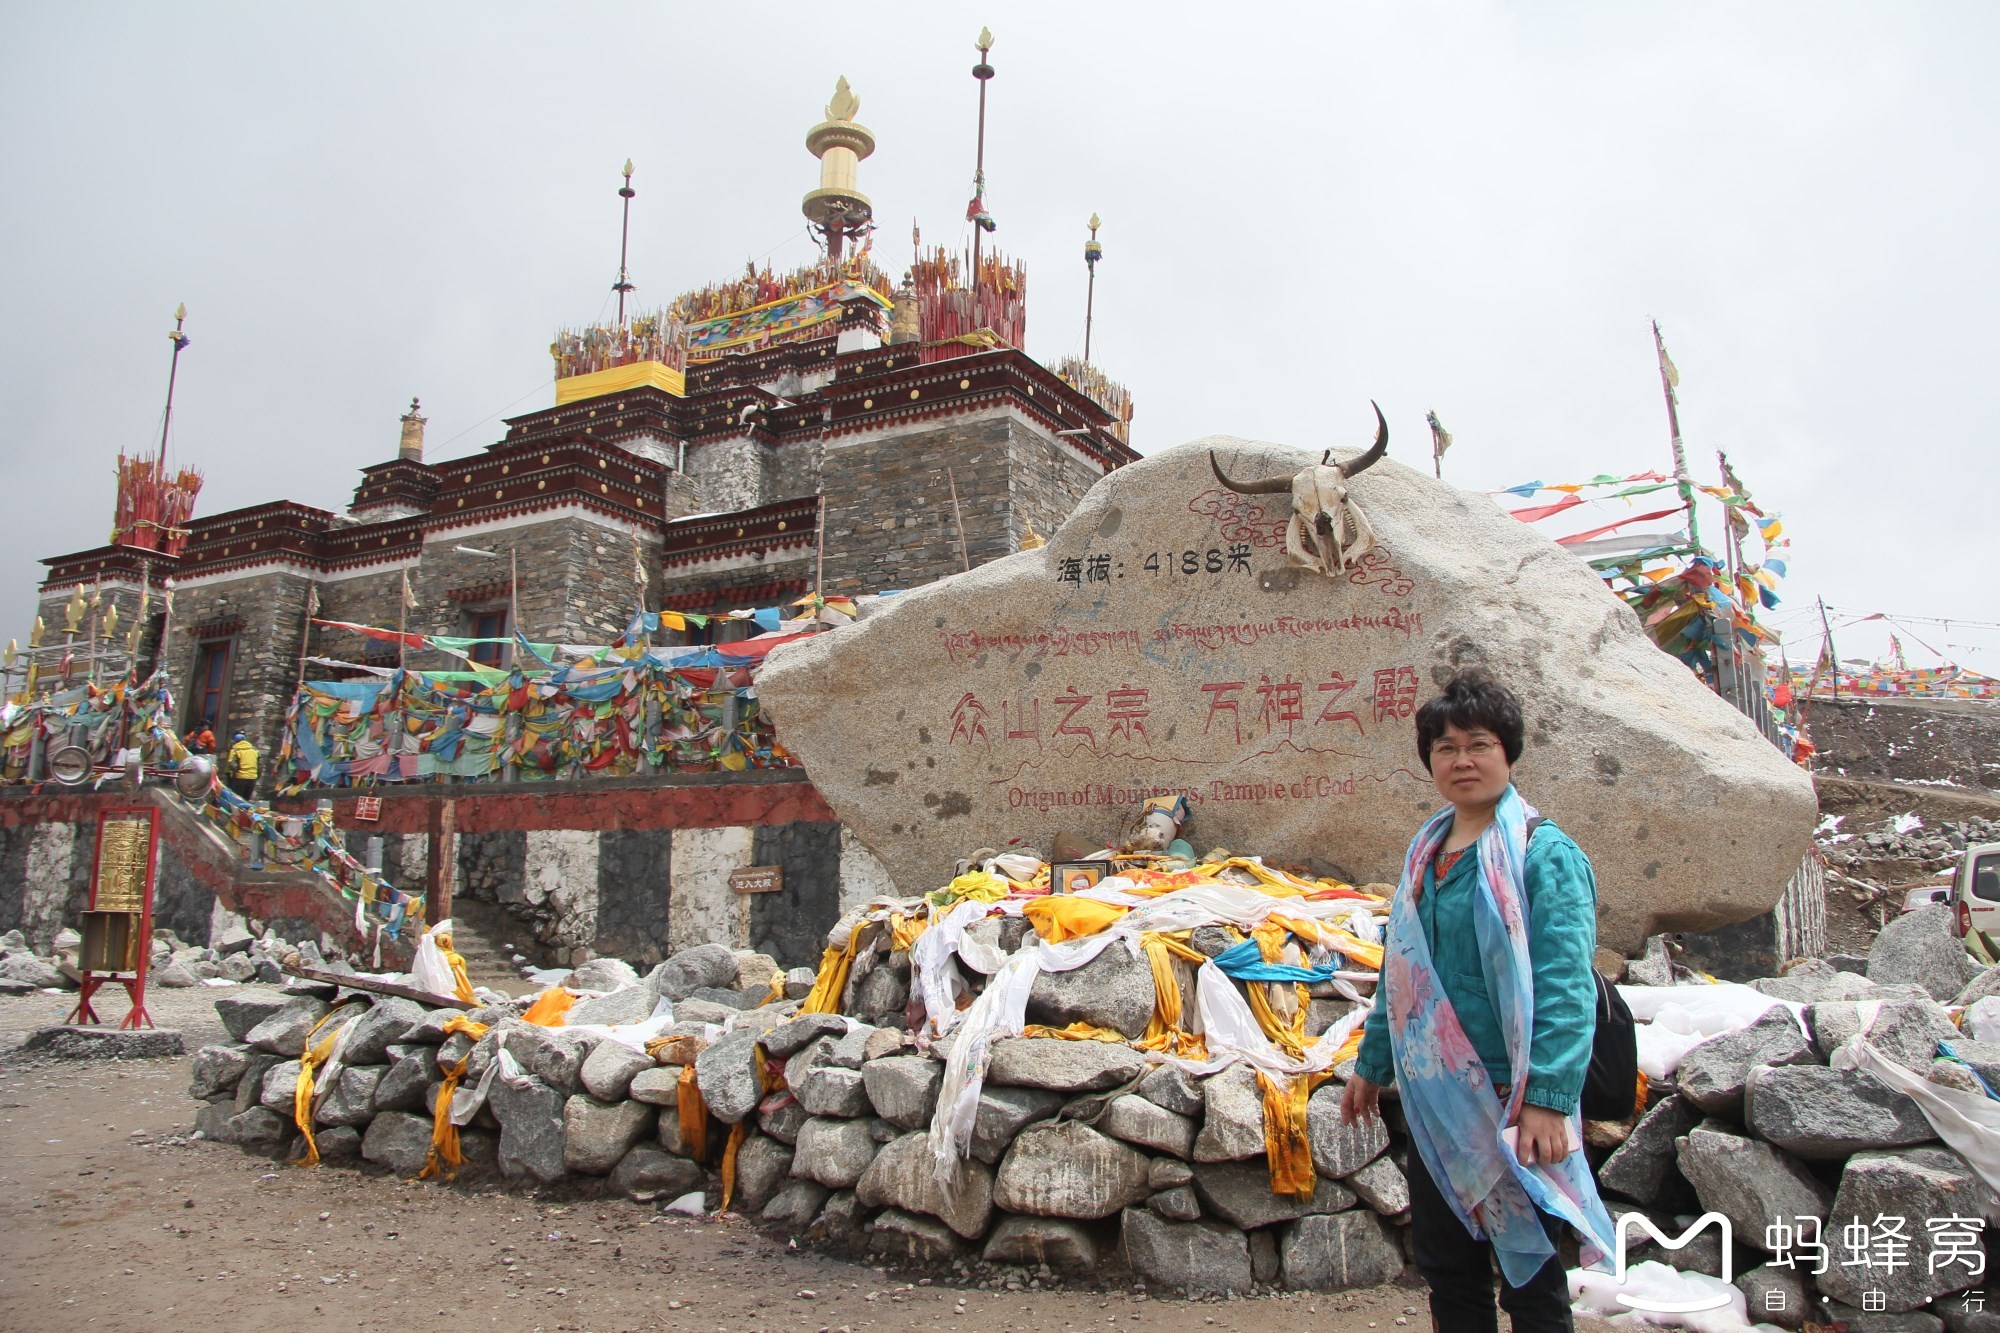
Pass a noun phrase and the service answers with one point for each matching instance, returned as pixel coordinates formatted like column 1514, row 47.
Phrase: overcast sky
column 1470, row 207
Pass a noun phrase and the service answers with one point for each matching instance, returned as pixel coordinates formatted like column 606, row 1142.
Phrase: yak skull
column 1327, row 530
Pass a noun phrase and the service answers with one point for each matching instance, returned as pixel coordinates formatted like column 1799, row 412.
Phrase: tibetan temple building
column 705, row 457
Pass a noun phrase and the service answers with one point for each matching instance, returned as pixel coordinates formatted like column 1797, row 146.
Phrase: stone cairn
column 1084, row 1156
column 1756, row 1125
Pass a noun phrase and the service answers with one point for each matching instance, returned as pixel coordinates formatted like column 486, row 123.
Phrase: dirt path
column 114, row 1220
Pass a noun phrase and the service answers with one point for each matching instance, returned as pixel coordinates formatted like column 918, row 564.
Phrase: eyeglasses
column 1479, row 749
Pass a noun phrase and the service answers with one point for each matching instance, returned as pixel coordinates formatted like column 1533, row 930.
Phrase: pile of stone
column 1757, row 1125
column 1906, row 838
column 235, row 955
column 1083, row 1154
column 23, row 971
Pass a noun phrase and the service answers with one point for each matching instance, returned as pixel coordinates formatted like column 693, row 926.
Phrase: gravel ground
column 114, row 1219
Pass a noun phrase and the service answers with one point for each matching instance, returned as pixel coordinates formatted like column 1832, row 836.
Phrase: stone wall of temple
column 889, row 520
column 261, row 617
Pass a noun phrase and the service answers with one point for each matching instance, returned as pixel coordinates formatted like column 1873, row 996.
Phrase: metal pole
column 1092, row 252
column 982, row 72
column 173, row 369
column 622, row 286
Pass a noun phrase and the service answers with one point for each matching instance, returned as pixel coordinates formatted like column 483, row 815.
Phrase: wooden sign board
column 368, row 807
column 758, row 879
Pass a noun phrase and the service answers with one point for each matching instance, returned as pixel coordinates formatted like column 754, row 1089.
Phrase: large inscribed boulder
column 1160, row 642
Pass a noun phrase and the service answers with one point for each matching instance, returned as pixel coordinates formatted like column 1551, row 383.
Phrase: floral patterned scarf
column 1455, row 1116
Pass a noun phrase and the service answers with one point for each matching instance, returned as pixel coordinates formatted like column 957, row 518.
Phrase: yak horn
column 1268, row 486
column 1374, row 455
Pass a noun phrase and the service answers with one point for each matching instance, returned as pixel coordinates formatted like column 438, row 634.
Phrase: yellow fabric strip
column 694, row 1115
column 550, row 1009
column 737, row 1132
column 309, row 1058
column 831, row 983
column 444, row 1156
column 1340, row 941
column 1059, row 916
column 1285, row 1141
column 1078, row 1031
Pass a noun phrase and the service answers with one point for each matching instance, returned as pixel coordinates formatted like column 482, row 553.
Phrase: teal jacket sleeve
column 1373, row 1061
column 1562, row 941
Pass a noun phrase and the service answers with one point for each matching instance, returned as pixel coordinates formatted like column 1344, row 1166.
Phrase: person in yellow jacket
column 239, row 766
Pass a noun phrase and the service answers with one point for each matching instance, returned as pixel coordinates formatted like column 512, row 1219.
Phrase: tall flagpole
column 180, row 340
column 1669, row 378
column 984, row 73
column 1092, row 252
column 624, row 285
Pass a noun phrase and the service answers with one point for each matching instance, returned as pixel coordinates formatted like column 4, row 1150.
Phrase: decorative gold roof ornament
column 1032, row 540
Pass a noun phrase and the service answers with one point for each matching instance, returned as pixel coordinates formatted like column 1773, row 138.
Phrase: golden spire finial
column 845, row 105
column 628, row 168
column 181, row 311
column 1094, row 223
column 985, row 42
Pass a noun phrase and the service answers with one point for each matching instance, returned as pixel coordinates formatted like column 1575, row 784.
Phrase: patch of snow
column 1908, row 823
column 1931, row 782
column 1829, row 824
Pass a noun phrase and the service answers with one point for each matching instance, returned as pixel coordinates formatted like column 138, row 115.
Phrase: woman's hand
column 1544, row 1136
column 1360, row 1100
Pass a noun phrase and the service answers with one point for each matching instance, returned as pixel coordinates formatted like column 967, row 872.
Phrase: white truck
column 1976, row 901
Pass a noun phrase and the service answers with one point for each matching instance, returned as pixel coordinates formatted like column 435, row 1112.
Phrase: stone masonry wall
column 889, row 521
column 731, row 473
column 264, row 664
column 1047, row 481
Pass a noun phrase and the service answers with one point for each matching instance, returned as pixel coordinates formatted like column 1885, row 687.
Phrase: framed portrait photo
column 1076, row 876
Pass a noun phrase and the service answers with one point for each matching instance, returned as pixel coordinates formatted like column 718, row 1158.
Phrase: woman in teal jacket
column 1499, row 987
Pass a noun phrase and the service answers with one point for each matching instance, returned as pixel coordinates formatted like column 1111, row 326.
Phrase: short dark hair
column 1471, row 699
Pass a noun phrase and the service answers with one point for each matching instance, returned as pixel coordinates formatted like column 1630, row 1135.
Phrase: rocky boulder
column 1338, row 1252
column 283, row 1031
column 530, row 1113
column 609, row 1069
column 1642, row 1168
column 1240, row 1193
column 399, row 1141
column 903, row 1089
column 1069, row 1170
column 647, row 1172
column 1822, row 1115
column 1232, row 1124
column 1113, row 990
column 1916, row 1184
column 1198, row 1258
column 1712, row 1075
column 1749, row 1182
column 1340, row 1150
column 835, row 1153
column 1138, row 1121
column 596, row 1135
column 1027, row 1241
column 1919, row 947
column 690, row 969
column 1452, row 580
column 903, row 1176
column 1064, row 1066
column 387, row 1019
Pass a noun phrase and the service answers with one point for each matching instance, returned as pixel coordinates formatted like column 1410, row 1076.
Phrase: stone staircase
column 477, row 932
